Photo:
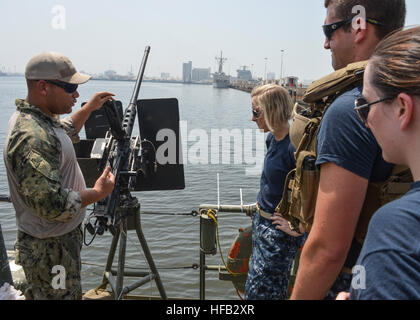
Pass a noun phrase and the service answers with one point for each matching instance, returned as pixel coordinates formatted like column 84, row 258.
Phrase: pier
column 296, row 91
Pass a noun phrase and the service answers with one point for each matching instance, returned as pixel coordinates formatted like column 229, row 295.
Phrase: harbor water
column 173, row 239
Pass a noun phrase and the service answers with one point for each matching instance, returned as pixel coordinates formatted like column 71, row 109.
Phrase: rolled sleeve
column 345, row 141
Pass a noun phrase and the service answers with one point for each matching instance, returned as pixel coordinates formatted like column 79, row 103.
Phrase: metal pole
column 244, row 209
column 202, row 275
column 5, row 274
column 148, row 255
column 121, row 258
column 265, row 70
column 248, row 209
column 202, row 269
column 112, row 250
column 281, row 73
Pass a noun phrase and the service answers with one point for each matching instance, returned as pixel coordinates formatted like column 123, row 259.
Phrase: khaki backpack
column 301, row 186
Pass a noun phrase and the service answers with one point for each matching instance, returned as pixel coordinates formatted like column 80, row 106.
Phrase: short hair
column 31, row 83
column 276, row 102
column 395, row 63
column 389, row 12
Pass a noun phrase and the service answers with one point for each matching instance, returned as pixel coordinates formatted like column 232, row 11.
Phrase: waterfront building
column 164, row 76
column 244, row 74
column 201, row 74
column 187, row 72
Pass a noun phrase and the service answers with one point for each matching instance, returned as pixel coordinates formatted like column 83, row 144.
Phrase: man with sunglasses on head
column 47, row 187
column 348, row 155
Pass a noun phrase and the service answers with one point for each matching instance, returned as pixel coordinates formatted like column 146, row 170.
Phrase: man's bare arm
column 340, row 199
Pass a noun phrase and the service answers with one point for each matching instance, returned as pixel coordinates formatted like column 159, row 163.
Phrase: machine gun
column 121, row 154
column 134, row 163
column 109, row 130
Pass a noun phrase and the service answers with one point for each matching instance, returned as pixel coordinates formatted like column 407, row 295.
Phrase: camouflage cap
column 53, row 66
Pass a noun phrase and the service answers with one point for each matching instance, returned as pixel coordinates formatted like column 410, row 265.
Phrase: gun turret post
column 120, row 151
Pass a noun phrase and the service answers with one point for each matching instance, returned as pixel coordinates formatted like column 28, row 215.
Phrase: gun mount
column 134, row 161
column 136, row 165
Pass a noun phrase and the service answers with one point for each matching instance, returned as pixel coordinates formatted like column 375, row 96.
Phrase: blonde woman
column 273, row 249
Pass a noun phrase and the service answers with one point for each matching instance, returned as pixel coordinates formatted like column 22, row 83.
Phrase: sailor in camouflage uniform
column 47, row 187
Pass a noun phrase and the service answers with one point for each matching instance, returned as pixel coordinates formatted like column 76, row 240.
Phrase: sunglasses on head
column 329, row 29
column 68, row 87
column 362, row 107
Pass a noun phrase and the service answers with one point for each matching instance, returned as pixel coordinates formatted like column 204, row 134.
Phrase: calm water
column 173, row 240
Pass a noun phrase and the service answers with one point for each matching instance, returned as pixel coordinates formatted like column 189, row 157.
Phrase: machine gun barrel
column 130, row 113
column 118, row 156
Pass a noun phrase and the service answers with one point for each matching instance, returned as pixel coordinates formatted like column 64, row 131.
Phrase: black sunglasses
column 329, row 29
column 362, row 107
column 68, row 87
column 256, row 113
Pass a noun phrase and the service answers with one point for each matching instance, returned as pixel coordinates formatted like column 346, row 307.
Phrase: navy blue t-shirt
column 345, row 141
column 278, row 162
column 391, row 252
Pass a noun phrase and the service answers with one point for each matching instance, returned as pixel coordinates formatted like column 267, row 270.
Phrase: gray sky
column 101, row 35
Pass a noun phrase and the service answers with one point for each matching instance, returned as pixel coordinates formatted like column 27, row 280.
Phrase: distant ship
column 220, row 79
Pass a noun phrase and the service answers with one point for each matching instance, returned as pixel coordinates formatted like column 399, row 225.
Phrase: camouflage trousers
column 273, row 253
column 52, row 266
